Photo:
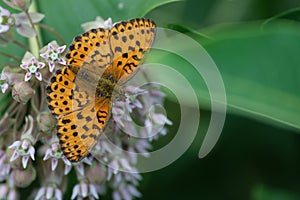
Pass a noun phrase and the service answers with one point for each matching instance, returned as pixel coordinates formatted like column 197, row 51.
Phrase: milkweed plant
column 30, row 154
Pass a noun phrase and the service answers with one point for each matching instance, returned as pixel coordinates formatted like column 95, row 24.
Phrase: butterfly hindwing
column 78, row 132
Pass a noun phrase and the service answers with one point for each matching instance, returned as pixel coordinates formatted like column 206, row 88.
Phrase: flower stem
column 15, row 42
column 35, row 42
column 52, row 30
column 20, row 45
column 32, row 103
column 19, row 119
column 12, row 108
column 10, row 56
column 42, row 87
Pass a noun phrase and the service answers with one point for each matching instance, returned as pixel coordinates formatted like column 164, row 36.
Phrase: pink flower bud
column 17, row 4
column 96, row 173
column 24, row 177
column 22, row 92
column 46, row 122
column 11, row 77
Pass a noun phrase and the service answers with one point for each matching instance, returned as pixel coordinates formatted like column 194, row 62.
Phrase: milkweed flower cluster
column 30, row 150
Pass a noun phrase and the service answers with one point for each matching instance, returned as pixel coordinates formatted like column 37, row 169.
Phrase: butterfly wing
column 72, row 94
column 79, row 131
column 90, row 51
column 73, row 103
column 72, row 97
column 130, row 40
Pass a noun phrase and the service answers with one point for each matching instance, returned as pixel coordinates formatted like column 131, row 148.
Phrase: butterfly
column 99, row 62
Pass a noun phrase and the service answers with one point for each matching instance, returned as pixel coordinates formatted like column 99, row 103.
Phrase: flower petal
column 50, row 47
column 24, row 66
column 75, row 192
column 4, row 28
column 45, row 55
column 61, row 49
column 32, row 60
column 49, row 192
column 28, row 76
column 51, row 65
column 31, row 152
column 115, row 166
column 40, row 193
column 25, row 161
column 67, row 169
column 61, row 61
column 14, row 156
column 116, row 195
column 93, row 191
column 66, row 161
column 133, row 191
column 125, row 194
column 80, row 169
column 58, row 194
column 47, row 154
column 4, row 87
column 84, row 190
column 15, row 145
column 25, row 144
column 125, row 164
column 4, row 12
column 54, row 163
column 38, row 75
column 40, row 65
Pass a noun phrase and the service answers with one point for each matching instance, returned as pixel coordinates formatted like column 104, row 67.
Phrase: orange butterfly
column 80, row 95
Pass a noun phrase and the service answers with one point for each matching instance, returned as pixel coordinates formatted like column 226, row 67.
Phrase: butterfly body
column 81, row 94
column 108, row 89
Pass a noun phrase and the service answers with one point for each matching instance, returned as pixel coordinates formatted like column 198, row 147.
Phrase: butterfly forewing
column 91, row 51
column 130, row 40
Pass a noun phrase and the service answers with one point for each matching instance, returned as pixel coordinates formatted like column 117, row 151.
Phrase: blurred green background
column 256, row 46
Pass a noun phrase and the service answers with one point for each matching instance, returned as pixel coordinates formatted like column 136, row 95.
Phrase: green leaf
column 261, row 192
column 260, row 69
column 67, row 16
column 292, row 14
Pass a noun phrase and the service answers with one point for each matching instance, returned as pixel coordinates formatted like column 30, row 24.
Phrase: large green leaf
column 260, row 69
column 67, row 16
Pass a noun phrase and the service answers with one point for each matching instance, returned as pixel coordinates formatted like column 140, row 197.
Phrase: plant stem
column 10, row 56
column 33, row 43
column 20, row 45
column 42, row 87
column 32, row 103
column 52, row 30
column 15, row 42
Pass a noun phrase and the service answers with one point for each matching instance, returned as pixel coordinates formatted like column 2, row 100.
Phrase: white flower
column 84, row 190
column 3, row 82
column 32, row 66
column 52, row 55
column 98, row 23
column 49, row 192
column 54, row 153
column 24, row 149
column 4, row 20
